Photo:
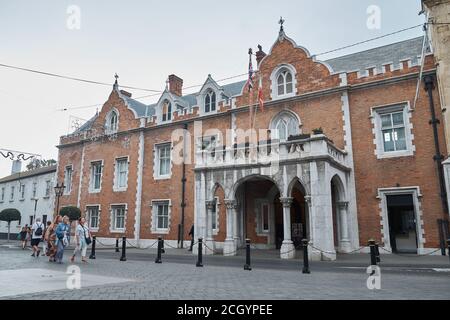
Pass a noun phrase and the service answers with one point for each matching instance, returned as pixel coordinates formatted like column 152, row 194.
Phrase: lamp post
column 59, row 190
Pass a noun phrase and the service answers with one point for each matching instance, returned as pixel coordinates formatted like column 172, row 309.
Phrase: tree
column 9, row 215
column 72, row 212
column 40, row 163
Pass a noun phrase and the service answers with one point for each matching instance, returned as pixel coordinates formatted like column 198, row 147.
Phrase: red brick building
column 340, row 155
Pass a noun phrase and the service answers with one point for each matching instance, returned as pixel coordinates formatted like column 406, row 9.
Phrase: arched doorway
column 339, row 212
column 299, row 215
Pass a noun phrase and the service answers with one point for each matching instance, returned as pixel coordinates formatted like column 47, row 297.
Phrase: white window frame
column 22, row 191
column 117, row 187
column 34, row 191
column 108, row 127
column 68, row 182
column 92, row 188
column 12, row 193
column 156, row 164
column 274, row 81
column 88, row 216
column 154, row 208
column 376, row 113
column 284, row 116
column 48, row 188
column 113, row 227
column 210, row 92
column 169, row 112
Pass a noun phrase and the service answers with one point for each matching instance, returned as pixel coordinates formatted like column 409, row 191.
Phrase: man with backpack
column 37, row 230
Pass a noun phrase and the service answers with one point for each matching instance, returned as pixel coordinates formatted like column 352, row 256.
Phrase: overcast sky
column 144, row 41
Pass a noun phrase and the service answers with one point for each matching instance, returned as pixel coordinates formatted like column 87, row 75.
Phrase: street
column 221, row 278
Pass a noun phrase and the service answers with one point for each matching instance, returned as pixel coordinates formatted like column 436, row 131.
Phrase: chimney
column 175, row 85
column 125, row 93
column 260, row 54
column 16, row 166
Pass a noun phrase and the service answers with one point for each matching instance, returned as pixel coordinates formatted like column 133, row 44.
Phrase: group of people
column 56, row 237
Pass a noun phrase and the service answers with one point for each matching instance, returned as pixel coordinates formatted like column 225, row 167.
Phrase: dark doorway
column 402, row 223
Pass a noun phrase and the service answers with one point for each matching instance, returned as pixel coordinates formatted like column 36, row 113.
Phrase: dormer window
column 210, row 102
column 284, row 83
column 166, row 111
column 112, row 122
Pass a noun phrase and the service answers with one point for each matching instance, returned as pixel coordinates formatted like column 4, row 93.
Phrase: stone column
column 209, row 230
column 229, row 247
column 344, row 241
column 313, row 254
column 287, row 248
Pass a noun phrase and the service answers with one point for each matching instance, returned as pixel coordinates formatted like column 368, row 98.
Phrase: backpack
column 38, row 231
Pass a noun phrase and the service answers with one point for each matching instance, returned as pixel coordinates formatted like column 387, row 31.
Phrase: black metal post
column 200, row 253
column 377, row 252
column 158, row 255
column 124, row 246
column 117, row 244
column 248, row 265
column 305, row 257
column 373, row 254
column 94, row 240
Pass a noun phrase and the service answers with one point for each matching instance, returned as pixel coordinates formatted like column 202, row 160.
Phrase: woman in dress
column 24, row 236
column 82, row 235
column 62, row 238
column 50, row 237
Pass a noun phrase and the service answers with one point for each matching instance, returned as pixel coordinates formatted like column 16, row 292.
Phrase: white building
column 26, row 191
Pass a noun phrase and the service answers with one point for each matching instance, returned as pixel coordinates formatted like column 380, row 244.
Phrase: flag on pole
column 260, row 94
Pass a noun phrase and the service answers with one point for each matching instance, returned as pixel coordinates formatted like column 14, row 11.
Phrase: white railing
column 317, row 146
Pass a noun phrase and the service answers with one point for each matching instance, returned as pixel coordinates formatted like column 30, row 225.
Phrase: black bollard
column 377, row 252
column 158, row 255
column 117, row 244
column 448, row 246
column 305, row 257
column 92, row 255
column 124, row 246
column 200, row 253
column 373, row 253
column 162, row 247
column 247, row 255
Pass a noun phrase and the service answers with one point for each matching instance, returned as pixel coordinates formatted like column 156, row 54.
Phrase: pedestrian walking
column 37, row 231
column 50, row 236
column 83, row 240
column 191, row 233
column 62, row 238
column 44, row 239
column 24, row 236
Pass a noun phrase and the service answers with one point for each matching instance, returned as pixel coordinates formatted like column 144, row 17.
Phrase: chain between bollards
column 200, row 253
column 92, row 255
column 117, row 245
column 124, row 246
column 373, row 252
column 247, row 265
column 305, row 257
column 158, row 254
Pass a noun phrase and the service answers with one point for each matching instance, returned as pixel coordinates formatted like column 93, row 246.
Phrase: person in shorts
column 37, row 230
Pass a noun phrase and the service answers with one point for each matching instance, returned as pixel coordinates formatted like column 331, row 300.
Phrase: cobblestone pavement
column 148, row 280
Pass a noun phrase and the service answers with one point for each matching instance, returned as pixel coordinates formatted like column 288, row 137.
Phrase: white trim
column 154, row 212
column 112, row 220
column 376, row 129
column 274, row 83
column 87, row 216
column 108, row 130
column 384, row 221
column 116, row 188
column 91, row 176
column 138, row 204
column 67, row 190
column 156, row 150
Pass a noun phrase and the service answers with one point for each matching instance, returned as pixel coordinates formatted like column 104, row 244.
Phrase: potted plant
column 318, row 131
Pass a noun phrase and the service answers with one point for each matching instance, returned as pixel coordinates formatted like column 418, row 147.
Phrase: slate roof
column 360, row 61
column 391, row 53
column 28, row 174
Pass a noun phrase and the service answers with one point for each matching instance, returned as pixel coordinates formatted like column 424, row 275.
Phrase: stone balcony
column 266, row 153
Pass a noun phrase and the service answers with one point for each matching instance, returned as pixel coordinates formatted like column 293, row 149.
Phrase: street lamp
column 35, row 207
column 59, row 191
